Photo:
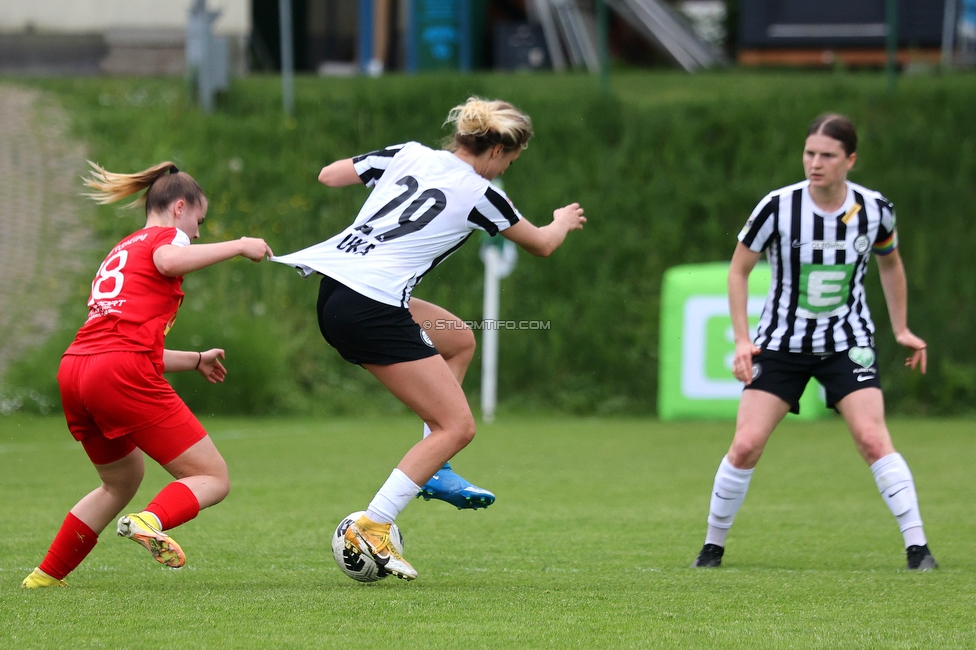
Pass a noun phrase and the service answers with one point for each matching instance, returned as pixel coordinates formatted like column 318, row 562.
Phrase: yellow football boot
column 141, row 528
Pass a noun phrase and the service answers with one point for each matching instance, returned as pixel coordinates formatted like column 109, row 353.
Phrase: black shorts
column 786, row 374
column 366, row 331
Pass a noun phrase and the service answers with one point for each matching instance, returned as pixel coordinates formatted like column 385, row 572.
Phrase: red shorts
column 117, row 401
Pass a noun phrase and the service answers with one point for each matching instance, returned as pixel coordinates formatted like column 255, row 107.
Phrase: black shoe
column 920, row 558
column 711, row 556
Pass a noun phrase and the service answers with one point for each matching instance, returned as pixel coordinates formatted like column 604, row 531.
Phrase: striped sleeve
column 493, row 212
column 887, row 239
column 760, row 228
column 370, row 166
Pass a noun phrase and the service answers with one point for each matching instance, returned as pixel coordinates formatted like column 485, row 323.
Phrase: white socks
column 891, row 473
column 392, row 498
column 897, row 488
column 728, row 493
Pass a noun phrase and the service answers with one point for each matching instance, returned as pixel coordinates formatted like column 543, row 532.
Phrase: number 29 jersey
column 816, row 302
column 423, row 207
column 132, row 305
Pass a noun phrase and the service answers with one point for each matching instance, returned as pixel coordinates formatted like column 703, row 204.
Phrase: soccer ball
column 360, row 566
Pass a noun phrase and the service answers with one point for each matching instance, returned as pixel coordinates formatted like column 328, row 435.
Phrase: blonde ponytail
column 164, row 181
column 480, row 124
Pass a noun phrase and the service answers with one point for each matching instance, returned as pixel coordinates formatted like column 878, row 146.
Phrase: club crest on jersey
column 861, row 244
column 863, row 357
column 756, row 371
column 423, row 335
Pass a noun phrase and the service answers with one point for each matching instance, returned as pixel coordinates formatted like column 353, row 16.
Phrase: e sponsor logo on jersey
column 824, row 290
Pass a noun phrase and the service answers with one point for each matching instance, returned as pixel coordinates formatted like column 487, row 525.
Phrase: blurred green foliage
column 667, row 166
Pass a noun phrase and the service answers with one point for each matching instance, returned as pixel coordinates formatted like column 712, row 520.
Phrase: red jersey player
column 115, row 399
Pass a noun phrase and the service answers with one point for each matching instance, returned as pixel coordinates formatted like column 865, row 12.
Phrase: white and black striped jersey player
column 816, row 302
column 819, row 237
column 424, row 205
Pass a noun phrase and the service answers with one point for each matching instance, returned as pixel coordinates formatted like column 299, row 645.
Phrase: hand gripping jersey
column 423, row 207
column 132, row 305
column 816, row 302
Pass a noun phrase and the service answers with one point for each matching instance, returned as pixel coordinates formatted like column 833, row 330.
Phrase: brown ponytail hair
column 166, row 184
column 480, row 124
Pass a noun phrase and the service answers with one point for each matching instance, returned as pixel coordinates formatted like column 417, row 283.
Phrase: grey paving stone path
column 44, row 244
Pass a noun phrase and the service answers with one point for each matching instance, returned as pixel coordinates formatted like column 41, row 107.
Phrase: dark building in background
column 822, row 32
column 327, row 37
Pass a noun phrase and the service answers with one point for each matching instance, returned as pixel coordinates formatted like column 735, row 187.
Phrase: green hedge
column 667, row 167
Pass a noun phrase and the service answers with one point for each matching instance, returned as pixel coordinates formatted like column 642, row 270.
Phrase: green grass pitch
column 587, row 546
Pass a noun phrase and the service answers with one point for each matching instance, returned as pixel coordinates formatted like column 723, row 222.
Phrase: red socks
column 174, row 505
column 72, row 544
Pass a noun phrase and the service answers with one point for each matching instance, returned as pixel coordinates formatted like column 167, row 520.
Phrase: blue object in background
column 439, row 35
column 969, row 12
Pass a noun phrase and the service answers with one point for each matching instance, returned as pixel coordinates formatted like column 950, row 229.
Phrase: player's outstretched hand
column 210, row 366
column 571, row 216
column 255, row 248
column 919, row 359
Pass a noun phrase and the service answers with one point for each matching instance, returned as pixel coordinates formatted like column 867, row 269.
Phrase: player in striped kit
column 423, row 206
column 818, row 236
column 115, row 399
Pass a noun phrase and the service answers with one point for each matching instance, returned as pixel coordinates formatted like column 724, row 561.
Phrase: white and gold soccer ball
column 360, row 566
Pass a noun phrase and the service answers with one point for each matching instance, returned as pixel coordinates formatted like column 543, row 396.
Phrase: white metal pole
column 949, row 32
column 287, row 58
column 489, row 335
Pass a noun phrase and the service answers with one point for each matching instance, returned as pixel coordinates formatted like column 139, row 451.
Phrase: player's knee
column 223, row 480
column 743, row 454
column 464, row 431
column 124, row 486
column 222, row 489
column 218, row 479
column 874, row 447
column 468, row 342
column 462, row 347
column 873, row 453
column 122, row 490
column 459, row 429
column 218, row 487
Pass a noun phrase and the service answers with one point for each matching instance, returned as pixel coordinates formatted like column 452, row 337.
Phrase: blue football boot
column 448, row 486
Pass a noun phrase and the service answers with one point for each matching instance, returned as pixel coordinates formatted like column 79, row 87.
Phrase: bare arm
column 895, row 287
column 340, row 174
column 542, row 241
column 743, row 261
column 173, row 261
column 206, row 363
